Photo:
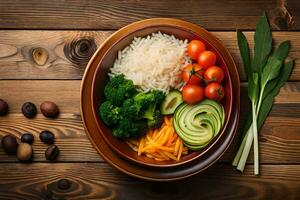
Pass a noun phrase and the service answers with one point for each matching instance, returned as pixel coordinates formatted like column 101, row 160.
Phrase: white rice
column 153, row 62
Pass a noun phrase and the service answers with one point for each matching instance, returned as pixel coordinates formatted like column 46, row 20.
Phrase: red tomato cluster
column 203, row 78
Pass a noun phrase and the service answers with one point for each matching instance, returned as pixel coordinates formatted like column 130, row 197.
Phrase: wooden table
column 44, row 48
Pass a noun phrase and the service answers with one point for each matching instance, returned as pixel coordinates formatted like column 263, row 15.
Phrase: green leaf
column 282, row 51
column 262, row 44
column 270, row 87
column 244, row 51
column 284, row 76
column 269, row 98
column 266, row 106
column 270, row 71
column 253, row 87
column 274, row 86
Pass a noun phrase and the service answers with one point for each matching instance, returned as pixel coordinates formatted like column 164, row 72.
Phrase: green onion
column 267, row 72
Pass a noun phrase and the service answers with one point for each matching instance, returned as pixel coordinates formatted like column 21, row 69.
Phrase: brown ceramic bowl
column 96, row 77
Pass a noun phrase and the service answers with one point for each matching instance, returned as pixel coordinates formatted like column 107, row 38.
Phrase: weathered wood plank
column 100, row 181
column 217, row 15
column 41, row 54
column 66, row 93
column 275, row 147
column 69, row 133
column 18, row 48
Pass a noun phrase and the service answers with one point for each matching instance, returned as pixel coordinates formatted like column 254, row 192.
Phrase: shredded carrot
column 160, row 144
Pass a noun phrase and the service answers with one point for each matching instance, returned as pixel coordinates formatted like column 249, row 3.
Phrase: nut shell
column 47, row 137
column 27, row 138
column 52, row 152
column 24, row 152
column 3, row 107
column 29, row 110
column 49, row 109
column 9, row 144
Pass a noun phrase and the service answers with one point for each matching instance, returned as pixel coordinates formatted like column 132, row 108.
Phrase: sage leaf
column 244, row 51
column 262, row 44
column 269, row 98
column 253, row 88
column 266, row 107
column 282, row 51
column 270, row 71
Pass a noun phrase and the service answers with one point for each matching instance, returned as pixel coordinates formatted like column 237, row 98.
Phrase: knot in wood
column 281, row 18
column 64, row 184
column 80, row 51
column 40, row 56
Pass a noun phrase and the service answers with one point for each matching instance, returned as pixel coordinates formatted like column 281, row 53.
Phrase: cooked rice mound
column 153, row 62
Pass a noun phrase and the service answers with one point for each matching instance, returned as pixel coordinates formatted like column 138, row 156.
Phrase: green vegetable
column 266, row 75
column 171, row 102
column 198, row 124
column 118, row 89
column 109, row 113
column 128, row 112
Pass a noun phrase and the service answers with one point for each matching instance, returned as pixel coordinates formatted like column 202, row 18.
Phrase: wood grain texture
column 276, row 147
column 66, row 94
column 75, row 14
column 64, row 54
column 100, row 181
column 69, row 133
column 67, row 53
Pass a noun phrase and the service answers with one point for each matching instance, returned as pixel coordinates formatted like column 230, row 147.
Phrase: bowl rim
column 184, row 26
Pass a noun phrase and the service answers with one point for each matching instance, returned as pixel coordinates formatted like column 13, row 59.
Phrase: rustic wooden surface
column 44, row 47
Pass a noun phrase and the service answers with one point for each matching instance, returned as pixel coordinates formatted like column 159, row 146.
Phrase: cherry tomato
column 195, row 47
column 214, row 91
column 192, row 93
column 207, row 59
column 192, row 73
column 214, row 74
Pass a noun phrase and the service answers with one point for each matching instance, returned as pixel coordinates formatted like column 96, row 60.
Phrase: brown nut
column 29, row 110
column 24, row 152
column 52, row 152
column 9, row 144
column 3, row 107
column 49, row 109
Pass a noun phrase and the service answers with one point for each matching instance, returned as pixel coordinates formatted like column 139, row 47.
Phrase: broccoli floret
column 130, row 113
column 130, row 109
column 158, row 96
column 109, row 113
column 156, row 120
column 128, row 128
column 120, row 133
column 118, row 89
column 144, row 100
column 148, row 99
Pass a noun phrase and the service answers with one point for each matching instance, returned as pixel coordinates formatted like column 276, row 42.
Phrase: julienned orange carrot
column 160, row 144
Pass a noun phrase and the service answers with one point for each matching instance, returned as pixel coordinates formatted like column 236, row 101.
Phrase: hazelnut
column 24, row 152
column 49, row 109
column 9, row 144
column 3, row 107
